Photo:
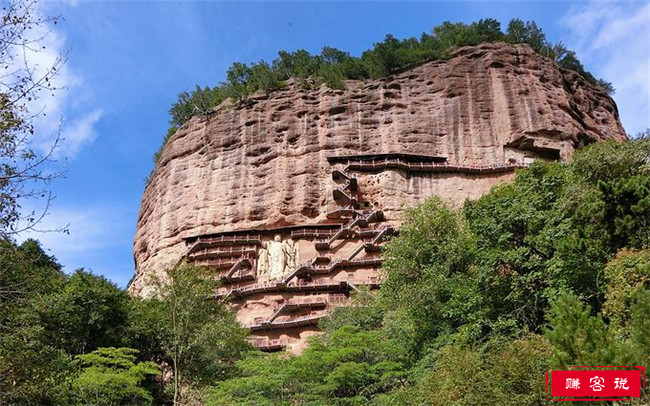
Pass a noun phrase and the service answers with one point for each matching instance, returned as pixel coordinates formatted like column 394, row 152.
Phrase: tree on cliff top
column 392, row 55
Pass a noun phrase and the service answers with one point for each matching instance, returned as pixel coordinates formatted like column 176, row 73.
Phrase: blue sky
column 128, row 60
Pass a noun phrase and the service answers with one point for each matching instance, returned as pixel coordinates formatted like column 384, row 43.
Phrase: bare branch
column 25, row 173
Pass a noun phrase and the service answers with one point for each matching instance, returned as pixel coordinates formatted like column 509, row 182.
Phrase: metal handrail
column 360, row 165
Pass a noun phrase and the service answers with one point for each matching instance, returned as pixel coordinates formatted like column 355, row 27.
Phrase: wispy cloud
column 613, row 40
column 57, row 117
column 80, row 132
column 89, row 228
column 95, row 239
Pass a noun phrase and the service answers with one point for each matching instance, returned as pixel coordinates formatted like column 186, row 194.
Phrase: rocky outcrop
column 269, row 166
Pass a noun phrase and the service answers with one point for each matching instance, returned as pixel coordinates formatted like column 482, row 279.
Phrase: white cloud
column 79, row 132
column 613, row 41
column 95, row 240
column 55, row 107
column 89, row 228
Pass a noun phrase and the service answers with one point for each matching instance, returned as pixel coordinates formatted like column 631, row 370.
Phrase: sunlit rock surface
column 268, row 169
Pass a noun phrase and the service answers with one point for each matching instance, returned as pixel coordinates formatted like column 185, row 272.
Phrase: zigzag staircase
column 235, row 257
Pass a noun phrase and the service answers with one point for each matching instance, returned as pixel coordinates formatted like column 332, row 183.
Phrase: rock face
column 304, row 167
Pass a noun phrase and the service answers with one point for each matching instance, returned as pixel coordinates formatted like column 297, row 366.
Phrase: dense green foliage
column 59, row 333
column 348, row 367
column 477, row 303
column 47, row 318
column 31, row 367
column 332, row 66
column 507, row 373
column 111, row 376
column 198, row 336
column 88, row 312
column 429, row 281
column 480, row 301
column 626, row 276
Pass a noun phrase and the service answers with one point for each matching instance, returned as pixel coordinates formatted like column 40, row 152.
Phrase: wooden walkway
column 305, row 287
column 397, row 163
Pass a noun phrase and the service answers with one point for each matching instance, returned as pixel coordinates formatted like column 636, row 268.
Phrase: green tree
column 529, row 33
column 237, row 82
column 349, row 66
column 199, row 102
column 299, row 64
column 332, row 76
column 25, row 271
column 609, row 161
column 363, row 312
column 625, row 276
column 198, row 335
column 578, row 337
column 507, row 373
column 624, row 209
column 383, row 59
column 581, row 338
column 428, row 289
column 334, row 56
column 488, row 30
column 453, row 35
column 263, row 379
column 616, row 204
column 263, row 78
column 88, row 313
column 355, row 365
column 346, row 367
column 111, row 376
column 531, row 247
column 640, row 329
column 31, row 367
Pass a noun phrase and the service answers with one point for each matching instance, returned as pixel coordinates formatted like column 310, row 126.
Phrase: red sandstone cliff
column 265, row 166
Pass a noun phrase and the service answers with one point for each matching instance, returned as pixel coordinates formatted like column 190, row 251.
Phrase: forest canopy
column 332, row 66
column 478, row 302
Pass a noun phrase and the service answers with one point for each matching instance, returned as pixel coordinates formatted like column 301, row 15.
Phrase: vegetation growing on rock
column 332, row 66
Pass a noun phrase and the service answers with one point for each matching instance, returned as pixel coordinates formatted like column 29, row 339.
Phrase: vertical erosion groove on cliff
column 269, row 166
